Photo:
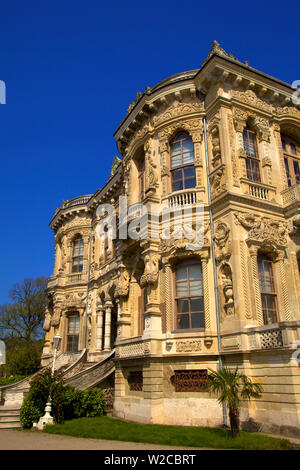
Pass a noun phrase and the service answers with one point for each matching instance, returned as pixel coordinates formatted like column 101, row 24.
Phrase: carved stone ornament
column 217, row 181
column 294, row 226
column 227, row 288
column 188, row 346
column 47, row 321
column 222, row 242
column 216, row 147
column 122, row 288
column 151, row 271
column 178, row 243
column 183, row 125
column 75, row 300
column 178, row 109
column 151, row 167
column 262, row 230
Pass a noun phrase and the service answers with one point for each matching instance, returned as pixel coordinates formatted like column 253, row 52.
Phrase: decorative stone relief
column 151, row 167
column 122, row 288
column 262, row 230
column 217, row 181
column 216, row 147
column 150, row 274
column 188, row 346
column 234, row 161
column 227, row 288
column 222, row 242
column 230, row 343
column 47, row 321
column 294, row 226
column 178, row 109
column 183, row 125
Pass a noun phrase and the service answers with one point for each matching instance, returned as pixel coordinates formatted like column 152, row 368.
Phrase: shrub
column 93, row 402
column 67, row 402
column 72, row 402
column 11, row 380
column 22, row 358
column 29, row 413
column 41, row 386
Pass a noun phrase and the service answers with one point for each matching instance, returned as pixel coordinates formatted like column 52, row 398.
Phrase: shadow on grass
column 109, row 428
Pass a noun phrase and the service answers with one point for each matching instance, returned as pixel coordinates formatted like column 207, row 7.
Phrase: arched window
column 189, row 295
column 267, row 289
column 73, row 332
column 182, row 163
column 291, row 153
column 78, row 247
column 252, row 160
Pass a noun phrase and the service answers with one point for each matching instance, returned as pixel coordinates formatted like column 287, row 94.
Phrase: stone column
column 99, row 328
column 149, row 280
column 165, row 168
column 206, row 291
column 107, row 329
column 168, row 295
column 197, row 139
column 284, row 304
column 255, row 285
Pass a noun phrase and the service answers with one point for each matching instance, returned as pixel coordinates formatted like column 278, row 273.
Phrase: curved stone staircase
column 79, row 373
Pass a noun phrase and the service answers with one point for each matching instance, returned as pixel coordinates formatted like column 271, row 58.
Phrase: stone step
column 9, row 412
column 11, row 425
column 9, row 419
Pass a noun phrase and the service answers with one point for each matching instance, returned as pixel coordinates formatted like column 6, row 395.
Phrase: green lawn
column 105, row 427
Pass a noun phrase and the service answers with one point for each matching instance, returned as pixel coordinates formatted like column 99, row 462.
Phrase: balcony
column 291, row 195
column 77, row 201
column 262, row 191
column 186, row 197
column 261, row 338
column 75, row 278
column 69, row 208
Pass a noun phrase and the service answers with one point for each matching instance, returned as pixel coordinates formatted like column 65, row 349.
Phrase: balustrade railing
column 291, row 194
column 78, row 201
column 258, row 191
column 182, row 198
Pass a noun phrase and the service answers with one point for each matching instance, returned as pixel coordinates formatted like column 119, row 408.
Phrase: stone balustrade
column 291, row 195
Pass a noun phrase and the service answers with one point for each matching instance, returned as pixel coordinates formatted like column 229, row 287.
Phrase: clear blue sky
column 71, row 69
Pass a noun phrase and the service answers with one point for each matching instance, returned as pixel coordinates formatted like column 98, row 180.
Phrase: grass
column 108, row 428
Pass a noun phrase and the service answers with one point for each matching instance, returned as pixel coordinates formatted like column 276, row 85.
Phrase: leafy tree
column 23, row 358
column 232, row 387
column 23, row 317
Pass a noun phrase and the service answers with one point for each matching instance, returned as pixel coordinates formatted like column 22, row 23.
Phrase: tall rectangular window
column 291, row 153
column 73, row 332
column 189, row 296
column 252, row 160
column 267, row 289
column 78, row 249
column 182, row 163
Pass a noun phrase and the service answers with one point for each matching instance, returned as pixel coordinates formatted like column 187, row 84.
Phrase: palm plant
column 231, row 387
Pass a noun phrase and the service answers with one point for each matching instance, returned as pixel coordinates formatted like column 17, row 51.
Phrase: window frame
column 289, row 159
column 182, row 166
column 250, row 159
column 72, row 340
column 187, row 264
column 80, row 256
column 268, row 294
column 141, row 178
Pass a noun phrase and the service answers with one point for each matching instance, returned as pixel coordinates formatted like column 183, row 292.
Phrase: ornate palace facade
column 225, row 137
